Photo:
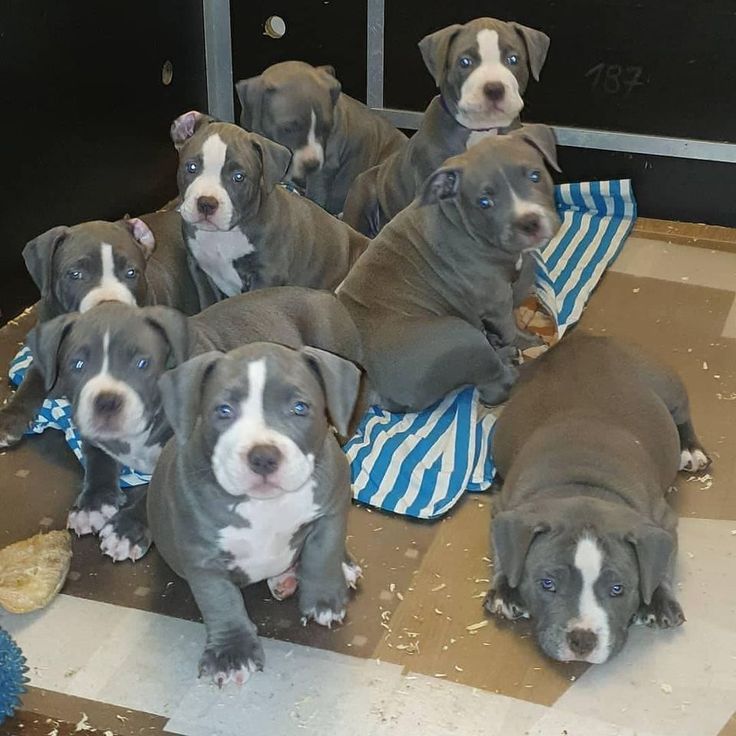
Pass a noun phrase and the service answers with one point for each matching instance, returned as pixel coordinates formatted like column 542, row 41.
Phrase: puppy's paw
column 505, row 601
column 694, row 459
column 664, row 612
column 324, row 615
column 89, row 521
column 496, row 392
column 12, row 427
column 283, row 586
column 352, row 572
column 124, row 538
column 234, row 662
column 525, row 340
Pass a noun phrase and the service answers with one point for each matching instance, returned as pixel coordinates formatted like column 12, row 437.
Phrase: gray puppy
column 107, row 362
column 332, row 136
column 242, row 229
column 482, row 70
column 433, row 296
column 135, row 261
column 253, row 484
column 585, row 542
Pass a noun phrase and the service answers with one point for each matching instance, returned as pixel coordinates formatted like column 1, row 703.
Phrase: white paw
column 89, row 522
column 647, row 620
column 510, row 611
column 119, row 548
column 693, row 460
column 325, row 617
column 283, row 586
column 237, row 677
column 352, row 573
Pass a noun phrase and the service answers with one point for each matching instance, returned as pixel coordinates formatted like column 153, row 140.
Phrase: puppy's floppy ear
column 654, row 550
column 250, row 93
column 435, row 48
column 442, row 184
column 275, row 160
column 142, row 234
column 537, row 45
column 45, row 341
column 39, row 256
column 181, row 392
column 186, row 125
column 542, row 137
column 341, row 381
column 513, row 533
column 173, row 325
column 328, row 72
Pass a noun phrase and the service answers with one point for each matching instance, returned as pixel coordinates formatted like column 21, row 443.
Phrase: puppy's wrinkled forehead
column 217, row 143
column 498, row 160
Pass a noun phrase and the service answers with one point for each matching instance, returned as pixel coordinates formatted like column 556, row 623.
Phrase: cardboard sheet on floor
column 421, row 464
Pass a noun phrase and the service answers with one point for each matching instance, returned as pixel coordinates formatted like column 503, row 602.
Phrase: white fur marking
column 591, row 615
column 475, row 110
column 90, row 522
column 313, row 151
column 208, row 183
column 110, row 288
column 215, row 251
column 229, row 456
column 693, row 460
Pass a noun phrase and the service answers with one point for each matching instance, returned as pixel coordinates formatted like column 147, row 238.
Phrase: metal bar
column 218, row 59
column 609, row 140
column 374, row 60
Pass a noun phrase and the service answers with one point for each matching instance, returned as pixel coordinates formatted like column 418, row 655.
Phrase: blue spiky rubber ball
column 12, row 675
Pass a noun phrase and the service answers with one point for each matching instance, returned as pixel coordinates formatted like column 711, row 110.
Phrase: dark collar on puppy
column 476, row 130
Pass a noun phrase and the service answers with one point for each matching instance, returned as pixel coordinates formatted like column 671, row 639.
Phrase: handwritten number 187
column 615, row 79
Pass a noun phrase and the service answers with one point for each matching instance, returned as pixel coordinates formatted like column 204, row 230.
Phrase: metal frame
column 603, row 140
column 218, row 59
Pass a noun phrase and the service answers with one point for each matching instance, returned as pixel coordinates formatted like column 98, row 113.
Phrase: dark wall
column 85, row 115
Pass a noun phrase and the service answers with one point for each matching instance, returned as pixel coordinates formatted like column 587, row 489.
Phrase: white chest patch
column 110, row 288
column 215, row 252
column 263, row 549
column 591, row 615
column 477, row 136
column 140, row 456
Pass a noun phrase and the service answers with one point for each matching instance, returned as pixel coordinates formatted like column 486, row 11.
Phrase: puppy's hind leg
column 361, row 210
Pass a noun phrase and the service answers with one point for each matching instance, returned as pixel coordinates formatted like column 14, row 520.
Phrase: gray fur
column 588, row 446
column 278, row 104
column 442, row 317
column 381, row 192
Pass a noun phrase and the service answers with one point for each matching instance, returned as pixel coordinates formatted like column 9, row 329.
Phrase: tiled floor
column 121, row 644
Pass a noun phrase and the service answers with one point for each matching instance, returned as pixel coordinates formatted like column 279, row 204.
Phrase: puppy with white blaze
column 254, row 487
column 584, row 539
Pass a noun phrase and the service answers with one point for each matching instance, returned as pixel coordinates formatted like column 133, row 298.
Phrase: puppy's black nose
column 207, row 205
column 310, row 165
column 108, row 402
column 581, row 641
column 264, row 459
column 529, row 224
column 494, row 91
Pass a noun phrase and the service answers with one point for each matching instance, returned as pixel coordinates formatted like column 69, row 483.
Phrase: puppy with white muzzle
column 482, row 70
column 332, row 136
column 253, row 485
column 585, row 541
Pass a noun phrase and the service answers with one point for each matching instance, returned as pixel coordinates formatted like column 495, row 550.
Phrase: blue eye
column 142, row 364
column 224, row 411
column 485, row 202
column 616, row 590
column 535, row 176
column 300, row 408
column 74, row 275
column 192, row 167
column 238, row 177
column 131, row 273
column 465, row 62
column 78, row 365
column 512, row 60
column 548, row 584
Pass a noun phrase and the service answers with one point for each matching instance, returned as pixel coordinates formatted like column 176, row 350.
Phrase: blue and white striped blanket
column 421, row 464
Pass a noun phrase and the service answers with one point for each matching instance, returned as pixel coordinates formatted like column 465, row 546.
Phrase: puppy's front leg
column 233, row 650
column 663, row 611
column 505, row 601
column 323, row 583
column 101, row 497
column 21, row 408
column 126, row 535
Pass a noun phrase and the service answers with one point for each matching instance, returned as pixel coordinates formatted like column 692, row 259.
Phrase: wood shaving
column 666, row 688
column 439, row 587
column 475, row 627
column 83, row 724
